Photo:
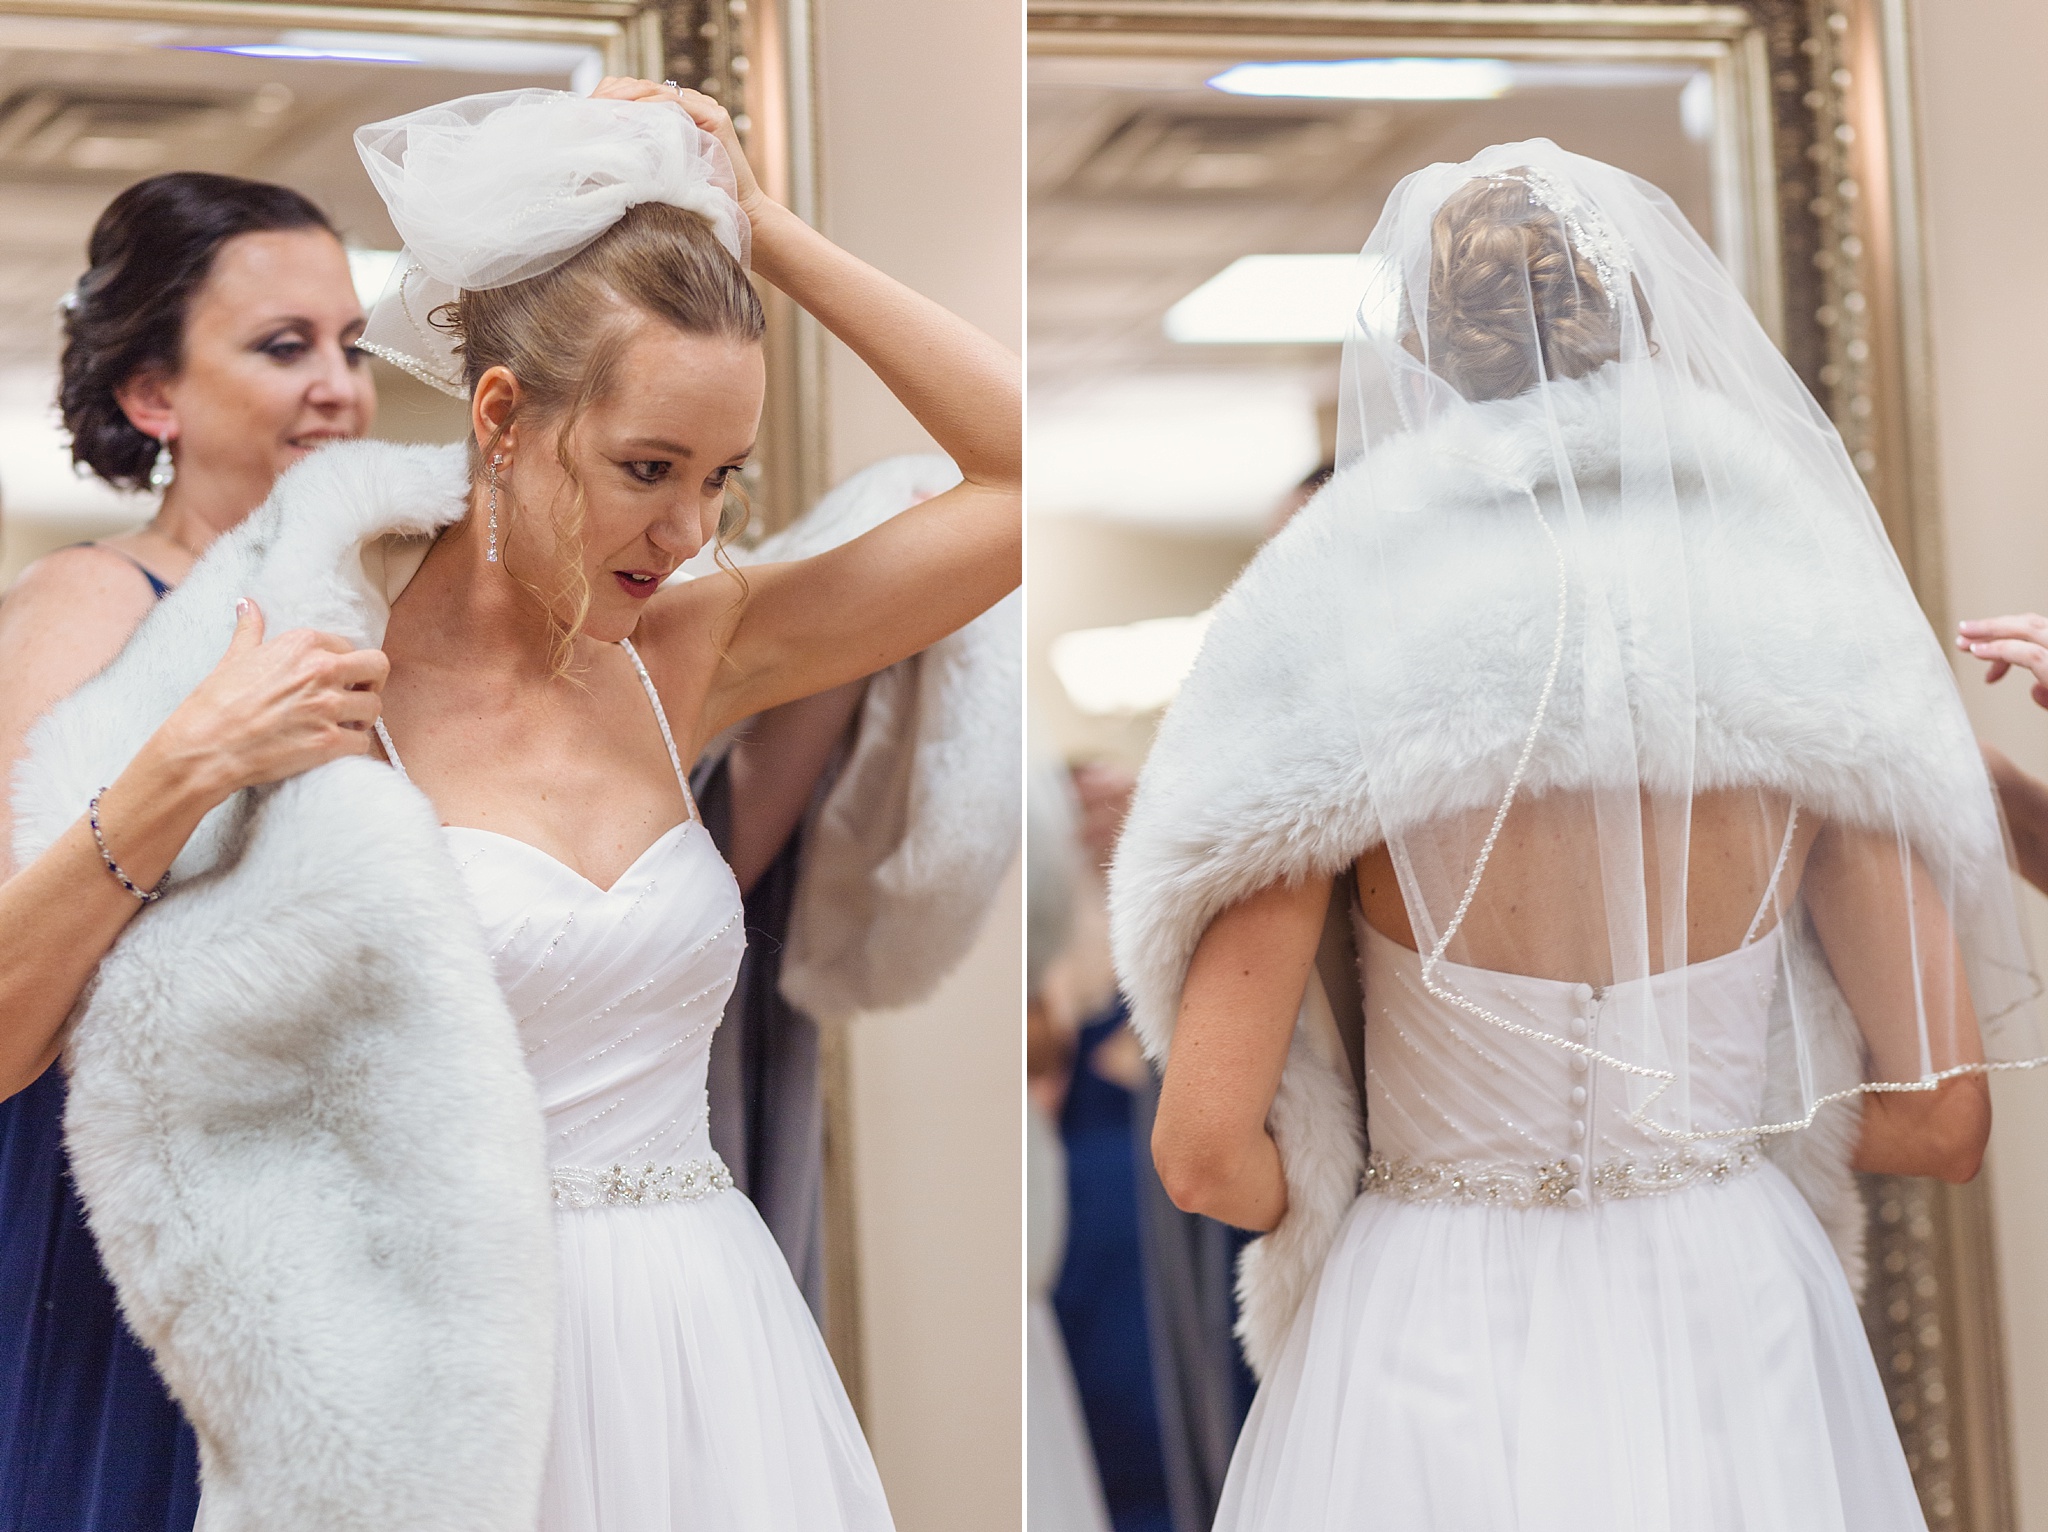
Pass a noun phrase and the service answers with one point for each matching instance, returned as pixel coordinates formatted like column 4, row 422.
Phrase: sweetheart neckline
column 547, row 856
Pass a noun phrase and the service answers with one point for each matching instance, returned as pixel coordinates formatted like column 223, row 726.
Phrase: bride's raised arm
column 813, row 624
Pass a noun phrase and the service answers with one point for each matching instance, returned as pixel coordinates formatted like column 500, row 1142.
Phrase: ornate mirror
column 1781, row 127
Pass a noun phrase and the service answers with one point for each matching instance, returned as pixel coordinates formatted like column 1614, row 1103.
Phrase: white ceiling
column 1144, row 183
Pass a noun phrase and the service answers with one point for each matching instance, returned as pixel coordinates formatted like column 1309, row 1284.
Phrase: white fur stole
column 307, row 1143
column 905, row 853
column 1313, row 722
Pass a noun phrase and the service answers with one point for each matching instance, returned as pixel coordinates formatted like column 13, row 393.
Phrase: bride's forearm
column 962, row 387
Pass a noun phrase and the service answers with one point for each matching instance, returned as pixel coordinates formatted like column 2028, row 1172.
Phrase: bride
column 1591, row 688
column 384, row 1017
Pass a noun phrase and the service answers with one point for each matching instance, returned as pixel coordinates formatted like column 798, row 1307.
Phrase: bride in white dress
column 1591, row 688
column 536, row 670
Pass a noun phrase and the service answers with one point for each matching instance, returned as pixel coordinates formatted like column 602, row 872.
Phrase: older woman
column 210, row 346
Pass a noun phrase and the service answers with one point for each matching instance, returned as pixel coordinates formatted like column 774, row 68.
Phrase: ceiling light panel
column 1286, row 300
column 1404, row 79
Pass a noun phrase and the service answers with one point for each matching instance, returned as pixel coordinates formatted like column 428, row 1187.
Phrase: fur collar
column 307, row 1143
column 1337, row 694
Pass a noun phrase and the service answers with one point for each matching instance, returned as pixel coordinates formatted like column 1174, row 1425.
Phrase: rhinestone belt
column 1559, row 1183
column 616, row 1186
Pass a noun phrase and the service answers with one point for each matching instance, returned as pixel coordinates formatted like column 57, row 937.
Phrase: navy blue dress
column 90, row 1441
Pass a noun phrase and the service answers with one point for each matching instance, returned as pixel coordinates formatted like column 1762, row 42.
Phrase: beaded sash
column 1560, row 1183
column 617, row 1186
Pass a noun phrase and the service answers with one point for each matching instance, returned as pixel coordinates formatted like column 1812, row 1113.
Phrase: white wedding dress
column 693, row 1391
column 1541, row 1317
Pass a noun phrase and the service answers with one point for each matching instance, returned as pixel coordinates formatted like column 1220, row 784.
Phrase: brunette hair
column 150, row 251
column 563, row 335
column 1496, row 258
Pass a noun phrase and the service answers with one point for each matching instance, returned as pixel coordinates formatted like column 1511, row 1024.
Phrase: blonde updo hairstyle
column 1496, row 257
column 563, row 335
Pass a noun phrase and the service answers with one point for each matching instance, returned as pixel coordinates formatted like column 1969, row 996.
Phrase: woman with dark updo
column 209, row 346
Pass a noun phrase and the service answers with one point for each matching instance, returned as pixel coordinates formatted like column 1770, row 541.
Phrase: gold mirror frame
column 1816, row 172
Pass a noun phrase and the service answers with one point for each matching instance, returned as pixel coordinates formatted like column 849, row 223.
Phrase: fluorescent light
column 288, row 51
column 1108, row 672
column 370, row 270
column 1286, row 300
column 1696, row 107
column 577, row 66
column 1372, row 79
column 583, row 66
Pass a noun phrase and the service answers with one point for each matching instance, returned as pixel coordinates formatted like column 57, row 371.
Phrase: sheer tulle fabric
column 694, row 1390
column 1568, row 450
column 1683, row 1363
column 492, row 189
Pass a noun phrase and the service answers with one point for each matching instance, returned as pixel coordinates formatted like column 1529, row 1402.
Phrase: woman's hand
column 708, row 115
column 2006, row 642
column 267, row 711
column 270, row 711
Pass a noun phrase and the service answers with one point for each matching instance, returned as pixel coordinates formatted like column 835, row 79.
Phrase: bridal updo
column 150, row 253
column 1496, row 255
column 564, row 334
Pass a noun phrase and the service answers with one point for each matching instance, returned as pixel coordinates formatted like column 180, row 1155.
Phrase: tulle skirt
column 1691, row 1362
column 694, row 1391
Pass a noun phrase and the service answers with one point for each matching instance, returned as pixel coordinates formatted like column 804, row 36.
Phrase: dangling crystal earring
column 491, row 554
column 163, row 470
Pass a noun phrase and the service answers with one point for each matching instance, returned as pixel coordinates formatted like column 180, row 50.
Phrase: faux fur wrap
column 1284, row 757
column 308, row 1146
column 905, row 853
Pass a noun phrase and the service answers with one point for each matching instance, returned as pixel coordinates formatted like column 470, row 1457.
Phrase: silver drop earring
column 163, row 471
column 491, row 552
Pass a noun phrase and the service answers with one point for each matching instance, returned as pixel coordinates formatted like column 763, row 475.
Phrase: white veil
column 493, row 189
column 1680, row 698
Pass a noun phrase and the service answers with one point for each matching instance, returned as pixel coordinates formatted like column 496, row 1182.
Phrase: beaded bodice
column 617, row 991
column 1460, row 1109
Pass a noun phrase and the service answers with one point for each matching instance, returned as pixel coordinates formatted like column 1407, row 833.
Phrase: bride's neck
column 461, row 609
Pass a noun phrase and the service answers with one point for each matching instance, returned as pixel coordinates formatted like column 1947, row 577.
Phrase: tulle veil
column 1613, row 592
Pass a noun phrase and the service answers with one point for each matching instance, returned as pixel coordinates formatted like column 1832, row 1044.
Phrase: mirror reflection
column 1193, row 214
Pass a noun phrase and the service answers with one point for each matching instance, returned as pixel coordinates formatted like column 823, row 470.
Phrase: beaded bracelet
column 143, row 895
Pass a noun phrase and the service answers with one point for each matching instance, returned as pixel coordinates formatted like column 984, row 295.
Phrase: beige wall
column 920, row 145
column 1984, row 116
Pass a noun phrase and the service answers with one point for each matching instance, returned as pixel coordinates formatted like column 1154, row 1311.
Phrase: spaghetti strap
column 1777, row 872
column 661, row 717
column 158, row 587
column 390, row 750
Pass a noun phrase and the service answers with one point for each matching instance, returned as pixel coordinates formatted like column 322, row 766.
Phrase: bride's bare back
column 1539, row 909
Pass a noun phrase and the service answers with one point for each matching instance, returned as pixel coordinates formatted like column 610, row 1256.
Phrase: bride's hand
column 708, row 115
column 2005, row 642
